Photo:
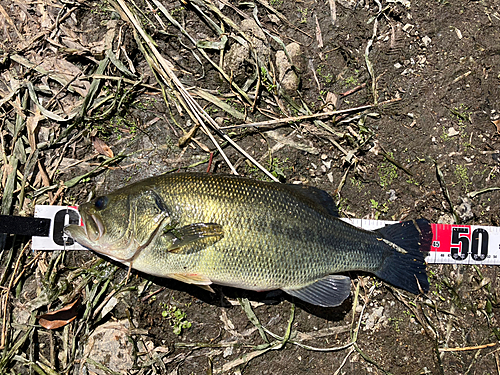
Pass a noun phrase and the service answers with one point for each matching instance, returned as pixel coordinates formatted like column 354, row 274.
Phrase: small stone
column 288, row 79
column 373, row 319
column 392, row 195
column 111, row 346
column 464, row 210
column 446, row 219
column 408, row 27
column 219, row 120
column 426, row 40
column 330, row 177
column 452, row 132
column 238, row 59
column 274, row 18
column 228, row 351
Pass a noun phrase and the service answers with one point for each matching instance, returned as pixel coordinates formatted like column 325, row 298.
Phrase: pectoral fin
column 329, row 291
column 193, row 237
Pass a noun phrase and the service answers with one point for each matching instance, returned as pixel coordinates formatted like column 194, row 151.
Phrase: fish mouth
column 88, row 234
column 94, row 227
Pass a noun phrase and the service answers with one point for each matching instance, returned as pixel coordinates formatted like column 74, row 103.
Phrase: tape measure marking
column 59, row 216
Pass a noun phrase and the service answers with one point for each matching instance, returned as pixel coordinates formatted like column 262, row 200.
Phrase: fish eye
column 101, row 203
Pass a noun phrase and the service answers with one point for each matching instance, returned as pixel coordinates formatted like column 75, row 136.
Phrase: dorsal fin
column 316, row 198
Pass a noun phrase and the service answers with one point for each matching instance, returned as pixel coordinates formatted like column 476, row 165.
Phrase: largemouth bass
column 203, row 229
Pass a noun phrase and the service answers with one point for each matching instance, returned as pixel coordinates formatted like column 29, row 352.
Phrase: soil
column 436, row 64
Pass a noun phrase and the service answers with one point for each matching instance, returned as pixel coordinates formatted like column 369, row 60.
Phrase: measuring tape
column 451, row 244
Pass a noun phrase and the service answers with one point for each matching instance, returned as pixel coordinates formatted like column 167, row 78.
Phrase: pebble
column 426, row 40
column 446, row 218
column 110, row 345
column 464, row 210
column 452, row 132
column 392, row 195
column 374, row 319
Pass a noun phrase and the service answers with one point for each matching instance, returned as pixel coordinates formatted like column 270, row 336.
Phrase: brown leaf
column 497, row 124
column 102, row 148
column 59, row 318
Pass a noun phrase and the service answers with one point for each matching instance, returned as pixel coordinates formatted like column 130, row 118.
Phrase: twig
column 482, row 191
column 344, row 361
column 308, row 117
column 467, row 348
column 65, row 87
column 352, row 91
column 342, row 182
column 145, row 298
column 168, row 74
column 396, row 164
column 210, row 162
column 6, row 17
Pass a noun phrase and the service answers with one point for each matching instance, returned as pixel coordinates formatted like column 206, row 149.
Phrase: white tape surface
column 451, row 244
column 59, row 216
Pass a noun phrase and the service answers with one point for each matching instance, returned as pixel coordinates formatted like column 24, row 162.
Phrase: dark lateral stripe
column 26, row 226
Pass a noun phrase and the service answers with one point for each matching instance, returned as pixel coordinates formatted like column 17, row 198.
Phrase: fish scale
column 204, row 229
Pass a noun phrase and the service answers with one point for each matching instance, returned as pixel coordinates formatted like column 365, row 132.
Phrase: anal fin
column 329, row 291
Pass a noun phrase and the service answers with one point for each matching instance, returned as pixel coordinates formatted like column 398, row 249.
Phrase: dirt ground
column 87, row 106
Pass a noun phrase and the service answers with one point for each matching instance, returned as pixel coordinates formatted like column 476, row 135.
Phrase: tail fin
column 404, row 268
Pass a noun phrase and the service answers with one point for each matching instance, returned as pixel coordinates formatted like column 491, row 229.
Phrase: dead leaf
column 497, row 124
column 59, row 318
column 102, row 148
column 31, row 125
column 6, row 169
